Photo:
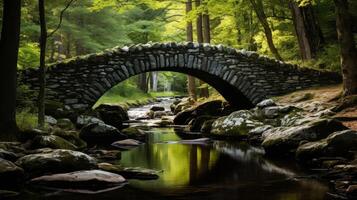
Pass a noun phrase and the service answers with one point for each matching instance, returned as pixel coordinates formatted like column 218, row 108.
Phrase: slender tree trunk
column 9, row 47
column 200, row 39
column 199, row 23
column 206, row 39
column 191, row 81
column 348, row 47
column 307, row 29
column 42, row 71
column 154, row 81
column 142, row 81
column 259, row 11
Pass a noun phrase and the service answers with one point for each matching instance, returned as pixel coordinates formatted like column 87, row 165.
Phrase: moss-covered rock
column 71, row 136
column 58, row 161
column 52, row 141
column 65, row 124
column 336, row 144
column 101, row 134
column 134, row 133
column 237, row 124
column 113, row 115
column 285, row 140
column 11, row 176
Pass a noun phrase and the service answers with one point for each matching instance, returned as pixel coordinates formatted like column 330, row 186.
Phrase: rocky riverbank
column 74, row 153
column 309, row 131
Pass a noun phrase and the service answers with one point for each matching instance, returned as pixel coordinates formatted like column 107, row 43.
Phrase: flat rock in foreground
column 81, row 179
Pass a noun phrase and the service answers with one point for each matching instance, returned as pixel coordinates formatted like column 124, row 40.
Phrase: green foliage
column 29, row 55
column 26, row 120
column 25, row 97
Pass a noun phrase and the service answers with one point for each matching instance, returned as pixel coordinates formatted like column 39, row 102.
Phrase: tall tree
column 259, row 11
column 9, row 47
column 206, row 26
column 307, row 29
column 191, row 85
column 200, row 39
column 347, row 46
column 42, row 71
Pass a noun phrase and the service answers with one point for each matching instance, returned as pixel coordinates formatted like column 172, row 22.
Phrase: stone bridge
column 244, row 78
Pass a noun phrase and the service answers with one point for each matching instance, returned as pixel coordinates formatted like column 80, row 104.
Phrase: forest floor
column 326, row 97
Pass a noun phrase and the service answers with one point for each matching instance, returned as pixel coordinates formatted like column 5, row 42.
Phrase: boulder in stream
column 57, row 161
column 100, row 133
column 91, row 179
column 130, row 172
column 285, row 140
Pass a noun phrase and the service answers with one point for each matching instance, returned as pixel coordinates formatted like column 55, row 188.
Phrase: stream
column 218, row 170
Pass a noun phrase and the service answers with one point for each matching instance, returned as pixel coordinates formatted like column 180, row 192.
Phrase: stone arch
column 244, row 78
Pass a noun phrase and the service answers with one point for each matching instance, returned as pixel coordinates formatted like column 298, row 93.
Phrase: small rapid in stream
column 217, row 170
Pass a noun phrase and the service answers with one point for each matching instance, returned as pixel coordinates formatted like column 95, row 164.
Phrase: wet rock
column 113, row 115
column 106, row 154
column 134, row 133
column 58, row 161
column 84, row 120
column 126, row 144
column 266, row 103
column 65, row 124
column 255, row 135
column 164, row 123
column 237, row 124
column 276, row 111
column 130, row 172
column 207, row 126
column 199, row 141
column 212, row 108
column 52, row 141
column 352, row 190
column 80, row 179
column 5, row 194
column 195, row 125
column 70, row 136
column 183, row 117
column 285, row 140
column 11, row 176
column 159, row 114
column 183, row 104
column 50, row 120
column 101, row 134
column 157, row 108
column 32, row 133
column 337, row 144
column 7, row 155
column 56, row 109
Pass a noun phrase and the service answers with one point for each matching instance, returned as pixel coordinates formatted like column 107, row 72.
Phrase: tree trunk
column 348, row 47
column 206, row 39
column 307, row 29
column 199, row 23
column 143, row 82
column 259, row 11
column 9, row 47
column 42, row 70
column 191, row 81
column 154, row 81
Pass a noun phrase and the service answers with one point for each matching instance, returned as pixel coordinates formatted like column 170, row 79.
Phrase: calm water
column 222, row 170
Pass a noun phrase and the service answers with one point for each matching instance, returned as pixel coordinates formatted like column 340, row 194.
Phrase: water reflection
column 219, row 171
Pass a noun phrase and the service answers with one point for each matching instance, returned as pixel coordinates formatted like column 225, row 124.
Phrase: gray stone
column 57, row 161
column 80, row 179
column 11, row 176
column 337, row 144
column 252, row 79
column 101, row 133
column 287, row 139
